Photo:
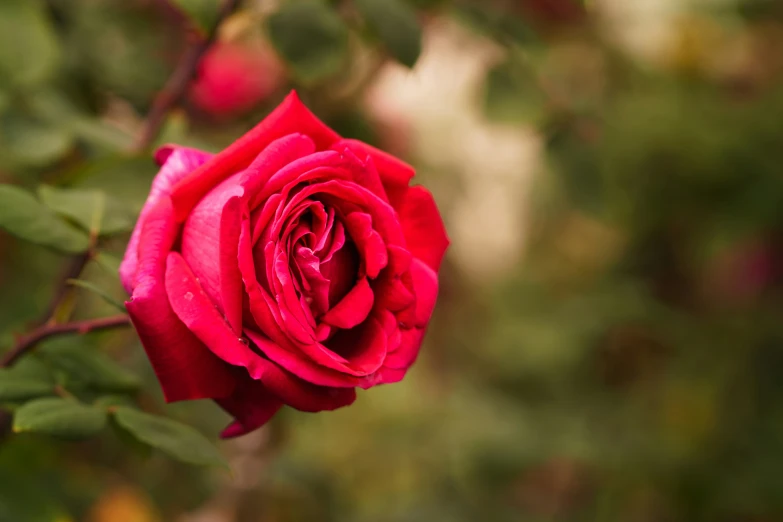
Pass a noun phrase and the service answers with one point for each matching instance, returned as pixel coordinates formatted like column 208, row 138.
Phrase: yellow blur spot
column 124, row 504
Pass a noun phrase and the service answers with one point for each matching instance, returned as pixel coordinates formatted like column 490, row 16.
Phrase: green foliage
column 83, row 367
column 173, row 438
column 22, row 215
column 310, row 37
column 92, row 210
column 97, row 290
column 60, row 417
column 15, row 387
column 394, row 23
column 201, row 12
column 511, row 94
column 29, row 50
column 109, row 263
column 27, row 140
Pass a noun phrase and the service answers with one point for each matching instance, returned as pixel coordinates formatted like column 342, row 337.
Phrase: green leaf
column 109, row 263
column 311, row 37
column 201, row 12
column 99, row 291
column 28, row 140
column 60, row 417
column 23, row 216
column 54, row 108
column 511, row 95
column 29, row 50
column 396, row 25
column 18, row 388
column 90, row 368
column 84, row 206
column 112, row 401
column 177, row 440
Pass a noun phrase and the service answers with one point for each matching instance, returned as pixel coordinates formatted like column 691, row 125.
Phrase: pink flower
column 290, row 268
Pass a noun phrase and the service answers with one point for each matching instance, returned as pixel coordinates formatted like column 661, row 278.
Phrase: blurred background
column 608, row 342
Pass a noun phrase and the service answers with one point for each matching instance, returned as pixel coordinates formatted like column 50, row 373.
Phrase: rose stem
column 175, row 87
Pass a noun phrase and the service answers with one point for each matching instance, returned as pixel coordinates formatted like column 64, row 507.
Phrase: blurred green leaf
column 17, row 388
column 177, row 440
column 109, row 263
column 113, row 401
column 22, row 215
column 98, row 291
column 82, row 206
column 395, row 24
column 202, row 12
column 91, row 368
column 56, row 109
column 311, row 37
column 511, row 95
column 28, row 140
column 29, row 50
column 496, row 22
column 65, row 418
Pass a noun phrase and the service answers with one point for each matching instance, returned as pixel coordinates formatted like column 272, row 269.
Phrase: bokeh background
column 608, row 343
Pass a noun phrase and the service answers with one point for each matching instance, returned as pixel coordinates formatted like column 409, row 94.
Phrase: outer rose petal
column 209, row 236
column 252, row 405
column 425, row 234
column 395, row 173
column 185, row 367
column 176, row 163
column 289, row 117
column 194, row 308
column 425, row 284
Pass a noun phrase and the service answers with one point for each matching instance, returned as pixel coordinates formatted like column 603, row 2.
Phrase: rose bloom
column 290, row 268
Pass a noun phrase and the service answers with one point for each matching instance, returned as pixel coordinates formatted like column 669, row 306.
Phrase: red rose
column 290, row 268
column 233, row 78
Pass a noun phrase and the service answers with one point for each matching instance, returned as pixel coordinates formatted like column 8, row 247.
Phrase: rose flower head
column 289, row 269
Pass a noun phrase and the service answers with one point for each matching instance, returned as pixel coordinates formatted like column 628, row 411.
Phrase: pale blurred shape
column 647, row 27
column 440, row 103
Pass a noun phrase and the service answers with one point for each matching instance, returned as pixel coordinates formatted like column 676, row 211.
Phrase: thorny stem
column 28, row 341
column 178, row 82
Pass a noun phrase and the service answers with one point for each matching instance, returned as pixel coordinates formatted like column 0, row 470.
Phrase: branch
column 73, row 271
column 29, row 341
column 178, row 82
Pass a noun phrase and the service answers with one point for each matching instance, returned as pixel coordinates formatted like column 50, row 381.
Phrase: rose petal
column 185, row 367
column 176, row 163
column 252, row 405
column 395, row 174
column 425, row 284
column 364, row 346
column 194, row 308
column 365, row 173
column 425, row 234
column 353, row 308
column 291, row 116
column 210, row 240
column 371, row 247
column 296, row 392
column 405, row 355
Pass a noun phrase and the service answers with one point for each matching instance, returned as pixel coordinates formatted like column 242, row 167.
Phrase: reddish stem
column 178, row 82
column 28, row 341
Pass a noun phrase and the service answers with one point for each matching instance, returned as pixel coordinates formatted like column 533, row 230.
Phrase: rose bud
column 233, row 78
column 289, row 269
